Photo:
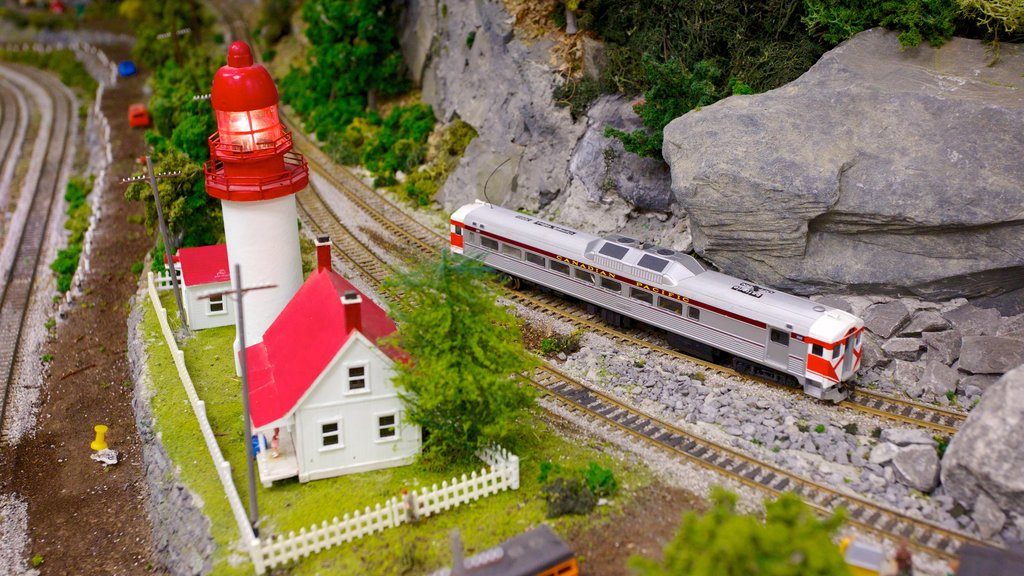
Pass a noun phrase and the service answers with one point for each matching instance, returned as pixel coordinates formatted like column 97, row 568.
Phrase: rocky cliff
column 878, row 170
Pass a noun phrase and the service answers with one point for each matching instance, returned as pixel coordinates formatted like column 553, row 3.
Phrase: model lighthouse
column 254, row 173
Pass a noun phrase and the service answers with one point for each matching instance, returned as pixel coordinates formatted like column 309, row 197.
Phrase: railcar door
column 777, row 352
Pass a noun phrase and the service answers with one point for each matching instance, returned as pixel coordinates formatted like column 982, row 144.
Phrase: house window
column 357, row 379
column 693, row 313
column 330, row 434
column 387, row 427
column 216, row 305
column 780, row 337
column 534, row 259
column 489, row 243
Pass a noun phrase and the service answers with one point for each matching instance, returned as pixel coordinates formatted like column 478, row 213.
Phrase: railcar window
column 836, row 351
column 670, row 305
column 641, row 295
column 652, row 263
column 512, row 251
column 458, row 230
column 583, row 275
column 693, row 313
column 780, row 337
column 611, row 285
column 489, row 243
column 560, row 267
column 535, row 258
column 817, row 350
column 613, row 250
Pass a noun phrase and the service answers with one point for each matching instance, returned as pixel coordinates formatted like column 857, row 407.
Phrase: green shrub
column 557, row 344
column 851, row 428
column 600, row 480
column 578, row 95
column 802, row 426
column 833, row 21
column 568, row 496
column 820, row 428
column 876, row 432
column 65, row 265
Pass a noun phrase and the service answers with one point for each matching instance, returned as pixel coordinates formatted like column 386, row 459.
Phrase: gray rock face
column 943, row 346
column 987, row 454
column 875, row 158
column 917, row 466
column 908, row 437
column 908, row 349
column 925, row 321
column 883, row 453
column 938, row 378
column 973, row 321
column 529, row 152
column 1012, row 327
column 871, row 354
column 884, row 319
column 991, row 354
column 988, row 516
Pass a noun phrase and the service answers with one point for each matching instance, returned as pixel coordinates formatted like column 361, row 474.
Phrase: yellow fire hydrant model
column 100, row 443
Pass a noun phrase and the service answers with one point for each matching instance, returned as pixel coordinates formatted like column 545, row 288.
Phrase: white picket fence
column 502, row 474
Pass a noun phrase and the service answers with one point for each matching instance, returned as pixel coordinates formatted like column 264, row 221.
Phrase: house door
column 777, row 353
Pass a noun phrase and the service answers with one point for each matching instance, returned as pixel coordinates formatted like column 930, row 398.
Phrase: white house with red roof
column 321, row 383
column 202, row 270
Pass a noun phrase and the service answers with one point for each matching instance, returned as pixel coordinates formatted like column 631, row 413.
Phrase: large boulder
column 878, row 169
column 987, row 454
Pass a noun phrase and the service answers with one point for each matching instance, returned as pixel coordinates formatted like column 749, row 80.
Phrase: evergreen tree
column 353, row 57
column 792, row 541
column 465, row 382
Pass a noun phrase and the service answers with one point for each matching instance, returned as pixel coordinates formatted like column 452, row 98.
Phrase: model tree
column 792, row 541
column 353, row 59
column 465, row 380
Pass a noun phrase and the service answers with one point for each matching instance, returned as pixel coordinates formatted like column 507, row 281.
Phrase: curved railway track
column 13, row 122
column 596, row 405
column 29, row 240
column 419, row 238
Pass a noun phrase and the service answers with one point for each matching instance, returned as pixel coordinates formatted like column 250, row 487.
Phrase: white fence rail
column 503, row 474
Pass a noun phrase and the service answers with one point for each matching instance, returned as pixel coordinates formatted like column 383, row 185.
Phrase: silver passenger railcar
column 721, row 318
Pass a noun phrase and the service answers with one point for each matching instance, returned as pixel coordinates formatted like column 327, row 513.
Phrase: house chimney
column 323, row 253
column 353, row 314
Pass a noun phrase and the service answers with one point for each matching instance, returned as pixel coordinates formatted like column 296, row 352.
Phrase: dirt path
column 83, row 518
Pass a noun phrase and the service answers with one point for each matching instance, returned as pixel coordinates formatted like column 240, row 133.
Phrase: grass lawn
column 289, row 506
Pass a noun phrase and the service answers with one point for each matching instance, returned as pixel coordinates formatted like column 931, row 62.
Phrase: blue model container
column 126, row 68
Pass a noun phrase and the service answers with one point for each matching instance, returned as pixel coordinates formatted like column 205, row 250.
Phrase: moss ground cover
column 289, row 506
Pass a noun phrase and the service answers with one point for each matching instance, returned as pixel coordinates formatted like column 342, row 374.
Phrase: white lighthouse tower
column 254, row 173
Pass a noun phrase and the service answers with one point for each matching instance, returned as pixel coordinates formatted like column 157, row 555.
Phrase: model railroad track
column 731, row 463
column 921, row 534
column 10, row 116
column 30, row 240
column 322, row 220
column 885, row 406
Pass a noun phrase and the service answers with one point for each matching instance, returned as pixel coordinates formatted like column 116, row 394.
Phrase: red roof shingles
column 204, row 264
column 302, row 341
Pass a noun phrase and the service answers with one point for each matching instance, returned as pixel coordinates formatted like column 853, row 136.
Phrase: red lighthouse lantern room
column 250, row 155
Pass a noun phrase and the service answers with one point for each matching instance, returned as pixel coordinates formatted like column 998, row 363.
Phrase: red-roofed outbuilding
column 321, row 378
column 205, row 269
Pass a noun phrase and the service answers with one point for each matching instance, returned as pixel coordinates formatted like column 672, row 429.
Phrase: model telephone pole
column 168, row 246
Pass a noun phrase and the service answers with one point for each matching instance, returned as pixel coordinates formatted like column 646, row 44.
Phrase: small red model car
column 138, row 116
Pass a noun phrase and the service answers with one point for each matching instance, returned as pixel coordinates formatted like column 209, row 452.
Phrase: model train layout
column 714, row 316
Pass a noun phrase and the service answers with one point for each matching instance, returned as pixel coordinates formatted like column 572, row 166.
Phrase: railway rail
column 601, row 407
column 29, row 240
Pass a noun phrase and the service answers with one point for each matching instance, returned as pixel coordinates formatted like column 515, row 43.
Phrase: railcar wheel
column 512, row 282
